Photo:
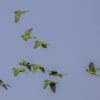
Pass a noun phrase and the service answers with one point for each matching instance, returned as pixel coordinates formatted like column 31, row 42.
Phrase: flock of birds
column 26, row 65
column 34, row 68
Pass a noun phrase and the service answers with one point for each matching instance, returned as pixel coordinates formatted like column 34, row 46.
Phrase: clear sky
column 71, row 27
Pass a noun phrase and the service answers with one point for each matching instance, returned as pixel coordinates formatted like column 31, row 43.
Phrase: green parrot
column 39, row 43
column 26, row 64
column 5, row 86
column 91, row 69
column 28, row 35
column 55, row 73
column 36, row 67
column 32, row 67
column 18, row 70
column 50, row 83
column 18, row 14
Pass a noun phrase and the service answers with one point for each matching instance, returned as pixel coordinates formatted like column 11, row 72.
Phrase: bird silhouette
column 51, row 84
column 4, row 85
column 92, row 69
column 25, row 64
column 39, row 43
column 28, row 35
column 18, row 13
column 17, row 70
column 55, row 73
column 36, row 67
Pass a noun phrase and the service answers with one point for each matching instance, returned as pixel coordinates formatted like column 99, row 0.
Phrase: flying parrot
column 18, row 70
column 26, row 64
column 51, row 84
column 5, row 86
column 18, row 14
column 36, row 67
column 91, row 69
column 39, row 43
column 28, row 35
column 55, row 73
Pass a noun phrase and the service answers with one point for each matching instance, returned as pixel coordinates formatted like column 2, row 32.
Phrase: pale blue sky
column 71, row 27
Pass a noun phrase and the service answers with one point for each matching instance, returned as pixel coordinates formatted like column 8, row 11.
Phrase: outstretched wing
column 29, row 66
column 42, row 69
column 54, row 73
column 17, row 70
column 5, row 87
column 53, row 87
column 28, row 32
column 18, row 14
column 60, row 75
column 97, row 69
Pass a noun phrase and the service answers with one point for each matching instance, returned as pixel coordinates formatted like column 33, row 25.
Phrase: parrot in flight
column 32, row 67
column 18, row 13
column 39, row 43
column 51, row 84
column 17, row 70
column 28, row 35
column 91, row 69
column 36, row 67
column 55, row 73
column 5, row 86
column 26, row 64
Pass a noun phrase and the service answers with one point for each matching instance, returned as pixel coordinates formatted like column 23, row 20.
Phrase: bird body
column 32, row 67
column 17, row 70
column 18, row 14
column 36, row 67
column 28, row 35
column 91, row 69
column 5, row 86
column 51, row 84
column 55, row 73
column 39, row 43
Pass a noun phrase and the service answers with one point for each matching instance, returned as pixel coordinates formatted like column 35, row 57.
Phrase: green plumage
column 28, row 35
column 23, row 63
column 36, row 67
column 39, row 43
column 55, row 73
column 32, row 67
column 51, row 84
column 91, row 69
column 26, row 64
column 18, row 70
column 18, row 14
